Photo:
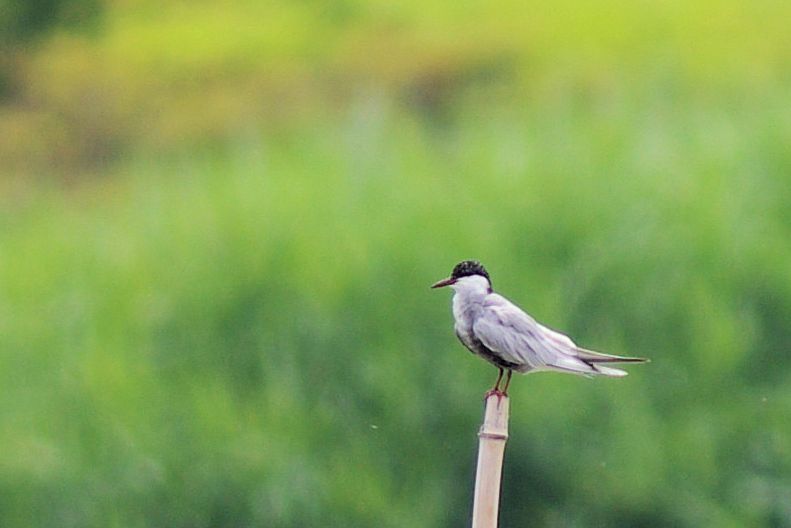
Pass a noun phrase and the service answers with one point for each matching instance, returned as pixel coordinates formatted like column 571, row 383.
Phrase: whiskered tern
column 494, row 328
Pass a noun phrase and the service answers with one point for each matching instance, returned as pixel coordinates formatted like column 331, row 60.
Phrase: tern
column 492, row 327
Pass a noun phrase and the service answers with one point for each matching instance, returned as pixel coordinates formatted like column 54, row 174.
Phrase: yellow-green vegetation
column 219, row 222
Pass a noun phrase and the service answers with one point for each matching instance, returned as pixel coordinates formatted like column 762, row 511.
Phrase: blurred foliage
column 162, row 76
column 219, row 221
column 24, row 21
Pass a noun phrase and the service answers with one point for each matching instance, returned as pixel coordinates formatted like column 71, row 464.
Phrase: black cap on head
column 469, row 267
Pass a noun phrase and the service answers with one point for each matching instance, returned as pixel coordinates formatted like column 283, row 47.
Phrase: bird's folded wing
column 514, row 335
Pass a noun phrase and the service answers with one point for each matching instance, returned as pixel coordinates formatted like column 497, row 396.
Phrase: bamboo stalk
column 491, row 448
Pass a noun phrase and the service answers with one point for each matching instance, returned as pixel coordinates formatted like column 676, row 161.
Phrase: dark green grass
column 247, row 337
column 240, row 332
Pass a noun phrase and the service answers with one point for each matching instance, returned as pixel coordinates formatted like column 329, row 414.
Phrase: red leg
column 507, row 382
column 496, row 388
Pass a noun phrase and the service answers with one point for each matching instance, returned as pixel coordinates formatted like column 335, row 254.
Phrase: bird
column 500, row 332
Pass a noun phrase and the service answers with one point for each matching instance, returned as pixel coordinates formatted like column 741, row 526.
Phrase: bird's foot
column 495, row 392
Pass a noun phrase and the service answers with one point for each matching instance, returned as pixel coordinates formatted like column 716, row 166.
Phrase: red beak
column 444, row 282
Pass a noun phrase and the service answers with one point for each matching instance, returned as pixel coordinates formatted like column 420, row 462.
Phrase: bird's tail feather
column 583, row 368
column 589, row 356
column 607, row 371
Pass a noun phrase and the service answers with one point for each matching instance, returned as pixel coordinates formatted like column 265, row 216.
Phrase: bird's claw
column 495, row 392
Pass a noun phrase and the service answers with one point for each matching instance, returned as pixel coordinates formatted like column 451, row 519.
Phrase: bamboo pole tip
column 495, row 422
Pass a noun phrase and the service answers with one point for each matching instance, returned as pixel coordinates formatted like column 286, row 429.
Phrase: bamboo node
column 493, row 436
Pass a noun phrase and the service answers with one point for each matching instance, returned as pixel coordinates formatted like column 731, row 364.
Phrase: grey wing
column 518, row 338
column 511, row 333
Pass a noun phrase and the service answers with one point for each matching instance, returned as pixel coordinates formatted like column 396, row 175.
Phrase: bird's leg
column 496, row 389
column 507, row 382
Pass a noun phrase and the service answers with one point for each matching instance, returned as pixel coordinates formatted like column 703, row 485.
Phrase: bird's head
column 468, row 271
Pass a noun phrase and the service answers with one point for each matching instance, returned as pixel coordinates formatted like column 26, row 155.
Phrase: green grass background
column 219, row 222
